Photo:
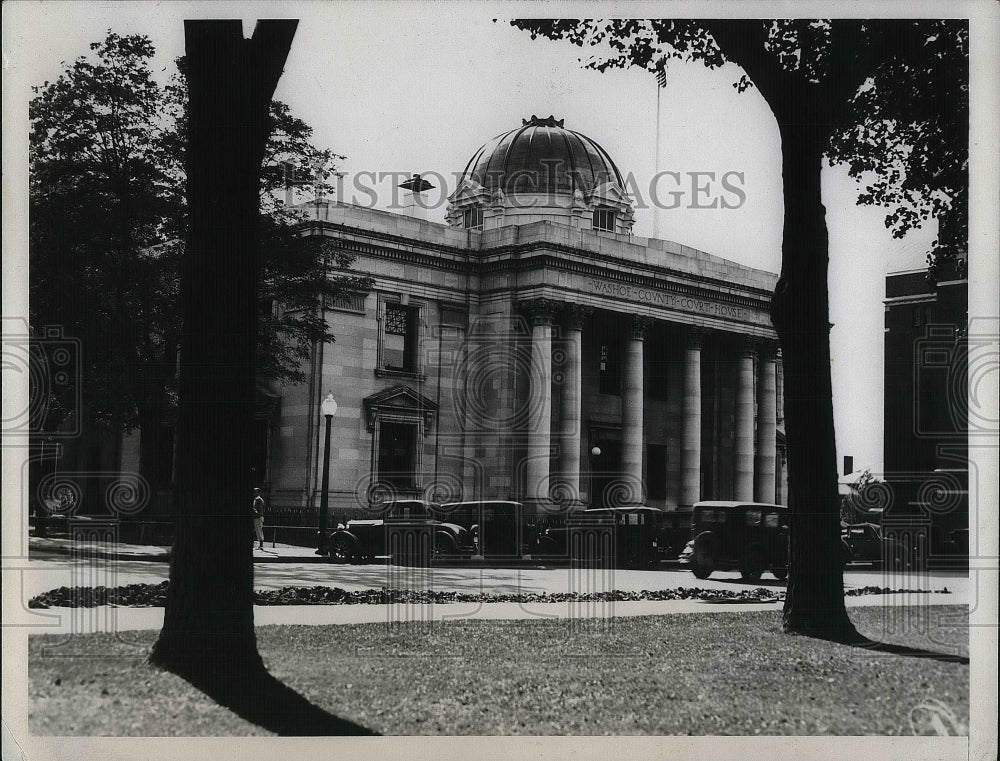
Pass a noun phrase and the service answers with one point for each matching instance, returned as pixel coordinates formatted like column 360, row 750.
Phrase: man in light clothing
column 258, row 517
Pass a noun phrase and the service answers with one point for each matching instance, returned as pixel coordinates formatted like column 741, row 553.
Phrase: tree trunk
column 814, row 601
column 208, row 621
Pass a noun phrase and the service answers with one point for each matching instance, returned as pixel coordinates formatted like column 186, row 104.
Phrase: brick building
column 926, row 450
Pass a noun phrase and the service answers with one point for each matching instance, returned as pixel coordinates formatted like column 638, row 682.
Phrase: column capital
column 748, row 346
column 637, row 327
column 540, row 311
column 575, row 315
column 767, row 349
column 693, row 336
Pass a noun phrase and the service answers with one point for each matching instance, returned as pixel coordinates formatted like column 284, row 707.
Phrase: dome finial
column 536, row 121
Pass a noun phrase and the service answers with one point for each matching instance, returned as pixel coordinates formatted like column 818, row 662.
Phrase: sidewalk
column 272, row 553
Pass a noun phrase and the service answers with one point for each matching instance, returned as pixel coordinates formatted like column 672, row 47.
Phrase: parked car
column 366, row 539
column 747, row 536
column 641, row 536
column 865, row 543
column 495, row 525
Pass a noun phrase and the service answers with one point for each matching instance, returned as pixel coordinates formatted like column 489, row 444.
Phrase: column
column 539, row 411
column 767, row 417
column 691, row 419
column 632, row 408
column 743, row 444
column 570, row 408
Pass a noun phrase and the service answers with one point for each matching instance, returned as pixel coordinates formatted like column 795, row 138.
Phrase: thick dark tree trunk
column 208, row 622
column 814, row 602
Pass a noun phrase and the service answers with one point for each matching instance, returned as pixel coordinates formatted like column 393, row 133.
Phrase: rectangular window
column 347, row 302
column 397, row 455
column 473, row 218
column 399, row 338
column 610, row 369
column 656, row 471
column 604, row 219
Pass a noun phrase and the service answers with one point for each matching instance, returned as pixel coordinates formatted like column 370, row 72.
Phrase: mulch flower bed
column 155, row 595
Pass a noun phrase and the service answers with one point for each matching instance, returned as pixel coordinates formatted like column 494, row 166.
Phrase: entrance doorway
column 605, row 471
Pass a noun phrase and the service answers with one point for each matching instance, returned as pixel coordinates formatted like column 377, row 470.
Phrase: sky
column 397, row 88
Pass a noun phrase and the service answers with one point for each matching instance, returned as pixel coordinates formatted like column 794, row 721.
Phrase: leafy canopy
column 893, row 94
column 107, row 210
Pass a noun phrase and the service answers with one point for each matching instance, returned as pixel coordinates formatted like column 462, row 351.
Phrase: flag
column 661, row 76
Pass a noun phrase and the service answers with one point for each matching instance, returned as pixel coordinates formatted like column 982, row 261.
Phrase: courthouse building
column 531, row 348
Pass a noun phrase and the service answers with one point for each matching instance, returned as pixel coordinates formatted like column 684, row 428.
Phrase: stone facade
column 497, row 363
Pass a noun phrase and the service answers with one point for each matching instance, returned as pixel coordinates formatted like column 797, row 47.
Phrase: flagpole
column 656, row 169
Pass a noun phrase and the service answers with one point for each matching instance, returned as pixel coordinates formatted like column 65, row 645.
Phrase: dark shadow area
column 253, row 694
column 759, row 583
column 910, row 652
column 854, row 638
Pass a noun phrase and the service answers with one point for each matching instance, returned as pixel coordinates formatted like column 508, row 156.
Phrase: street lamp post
column 329, row 408
column 595, row 452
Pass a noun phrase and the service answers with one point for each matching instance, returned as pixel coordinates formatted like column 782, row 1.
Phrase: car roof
column 482, row 502
column 732, row 504
column 422, row 502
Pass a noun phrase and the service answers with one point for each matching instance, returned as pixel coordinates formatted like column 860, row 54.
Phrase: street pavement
column 50, row 566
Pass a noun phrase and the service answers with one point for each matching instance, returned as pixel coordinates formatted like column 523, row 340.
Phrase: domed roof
column 542, row 156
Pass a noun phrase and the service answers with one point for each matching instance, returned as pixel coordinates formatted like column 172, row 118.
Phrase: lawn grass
column 701, row 674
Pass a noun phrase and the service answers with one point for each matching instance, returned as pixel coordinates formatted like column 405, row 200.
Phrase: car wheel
column 342, row 549
column 702, row 558
column 753, row 565
column 780, row 573
column 444, row 544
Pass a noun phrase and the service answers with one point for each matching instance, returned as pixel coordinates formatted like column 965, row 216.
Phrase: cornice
column 540, row 255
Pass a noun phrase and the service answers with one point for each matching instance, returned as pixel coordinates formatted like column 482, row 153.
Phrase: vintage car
column 746, row 536
column 865, row 543
column 631, row 536
column 400, row 528
column 496, row 525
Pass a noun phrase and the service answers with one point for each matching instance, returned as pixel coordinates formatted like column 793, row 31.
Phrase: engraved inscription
column 669, row 300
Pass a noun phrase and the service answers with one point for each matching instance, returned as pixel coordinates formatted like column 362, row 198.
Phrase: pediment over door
column 400, row 402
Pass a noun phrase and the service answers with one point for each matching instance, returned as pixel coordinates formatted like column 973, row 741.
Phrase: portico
column 560, row 329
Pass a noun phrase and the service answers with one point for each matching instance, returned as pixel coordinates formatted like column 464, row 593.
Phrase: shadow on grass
column 850, row 636
column 258, row 697
column 911, row 652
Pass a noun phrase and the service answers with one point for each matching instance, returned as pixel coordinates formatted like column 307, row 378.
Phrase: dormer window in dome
column 472, row 218
column 604, row 219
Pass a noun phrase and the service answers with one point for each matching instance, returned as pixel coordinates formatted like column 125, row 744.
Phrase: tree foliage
column 890, row 98
column 107, row 220
column 898, row 96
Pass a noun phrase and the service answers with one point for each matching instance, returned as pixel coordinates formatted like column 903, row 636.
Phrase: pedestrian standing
column 258, row 517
